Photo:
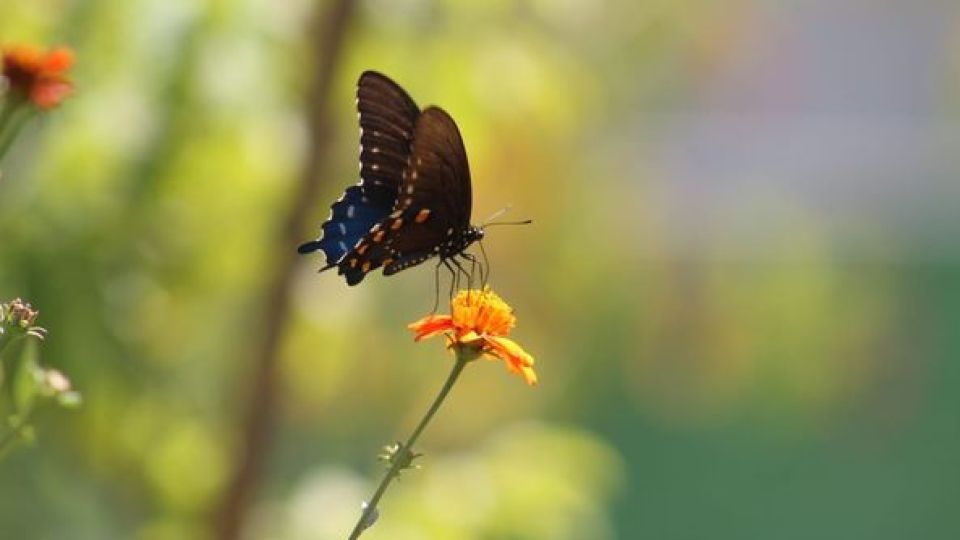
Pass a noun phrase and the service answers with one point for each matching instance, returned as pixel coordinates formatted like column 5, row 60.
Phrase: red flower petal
column 58, row 60
column 431, row 326
column 48, row 95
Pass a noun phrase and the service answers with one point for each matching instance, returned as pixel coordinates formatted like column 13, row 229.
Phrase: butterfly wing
column 433, row 206
column 387, row 118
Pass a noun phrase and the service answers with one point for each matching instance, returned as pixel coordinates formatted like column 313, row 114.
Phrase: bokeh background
column 742, row 284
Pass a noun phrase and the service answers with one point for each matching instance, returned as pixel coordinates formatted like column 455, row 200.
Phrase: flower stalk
column 401, row 456
column 477, row 327
column 36, row 80
column 12, row 118
column 24, row 382
column 18, row 430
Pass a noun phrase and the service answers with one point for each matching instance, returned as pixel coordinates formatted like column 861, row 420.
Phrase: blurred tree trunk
column 261, row 398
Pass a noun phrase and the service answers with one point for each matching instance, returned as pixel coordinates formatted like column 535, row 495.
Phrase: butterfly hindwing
column 376, row 248
column 350, row 218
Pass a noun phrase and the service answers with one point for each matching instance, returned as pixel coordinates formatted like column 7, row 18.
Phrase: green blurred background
column 742, row 284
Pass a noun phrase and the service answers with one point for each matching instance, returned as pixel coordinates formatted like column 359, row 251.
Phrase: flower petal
column 58, row 60
column 49, row 94
column 38, row 76
column 518, row 360
column 430, row 326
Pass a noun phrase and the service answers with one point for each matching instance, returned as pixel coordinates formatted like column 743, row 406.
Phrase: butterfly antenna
column 485, row 266
column 496, row 214
column 524, row 222
column 489, row 221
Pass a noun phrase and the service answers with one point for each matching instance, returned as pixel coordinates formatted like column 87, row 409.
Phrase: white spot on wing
column 351, row 210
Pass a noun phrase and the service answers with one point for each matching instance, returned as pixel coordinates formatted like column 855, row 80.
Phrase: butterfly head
column 459, row 241
column 473, row 234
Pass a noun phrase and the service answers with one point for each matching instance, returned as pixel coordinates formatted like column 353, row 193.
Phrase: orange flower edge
column 477, row 326
column 38, row 76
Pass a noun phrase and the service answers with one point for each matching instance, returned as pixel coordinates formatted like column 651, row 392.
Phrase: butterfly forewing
column 387, row 116
column 432, row 210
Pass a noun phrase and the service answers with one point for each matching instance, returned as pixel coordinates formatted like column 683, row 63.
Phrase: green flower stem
column 8, row 336
column 11, row 122
column 11, row 436
column 9, row 107
column 5, row 339
column 404, row 455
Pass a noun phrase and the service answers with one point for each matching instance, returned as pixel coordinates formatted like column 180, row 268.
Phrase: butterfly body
column 413, row 200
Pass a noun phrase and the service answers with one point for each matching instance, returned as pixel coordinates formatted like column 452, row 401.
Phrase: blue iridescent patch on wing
column 350, row 218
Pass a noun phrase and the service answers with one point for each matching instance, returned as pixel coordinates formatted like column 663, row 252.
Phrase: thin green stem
column 5, row 339
column 8, row 133
column 12, row 435
column 9, row 106
column 404, row 454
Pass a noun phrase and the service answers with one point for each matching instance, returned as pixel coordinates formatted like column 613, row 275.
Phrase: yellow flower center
column 481, row 312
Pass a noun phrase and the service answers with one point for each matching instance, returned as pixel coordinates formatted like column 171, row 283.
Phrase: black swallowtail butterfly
column 413, row 199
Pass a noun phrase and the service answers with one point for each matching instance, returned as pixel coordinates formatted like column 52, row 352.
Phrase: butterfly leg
column 485, row 267
column 474, row 267
column 462, row 270
column 454, row 276
column 436, row 295
column 468, row 275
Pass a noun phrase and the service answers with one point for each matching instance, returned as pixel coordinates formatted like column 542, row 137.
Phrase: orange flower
column 38, row 76
column 478, row 326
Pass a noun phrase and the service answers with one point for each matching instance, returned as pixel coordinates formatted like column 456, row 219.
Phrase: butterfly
column 413, row 199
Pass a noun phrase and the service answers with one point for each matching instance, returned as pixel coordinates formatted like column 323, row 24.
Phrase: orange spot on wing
column 362, row 249
column 378, row 236
column 422, row 215
column 397, row 223
column 365, row 267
